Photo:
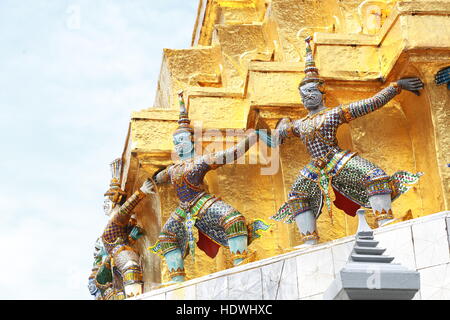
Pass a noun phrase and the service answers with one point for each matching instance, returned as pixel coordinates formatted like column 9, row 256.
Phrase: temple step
column 371, row 258
column 369, row 250
column 365, row 238
column 366, row 243
column 365, row 235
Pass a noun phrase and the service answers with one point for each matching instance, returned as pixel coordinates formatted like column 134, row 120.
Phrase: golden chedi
column 242, row 71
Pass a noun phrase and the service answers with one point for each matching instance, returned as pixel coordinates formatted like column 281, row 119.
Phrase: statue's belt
column 193, row 209
column 190, row 215
column 314, row 169
column 323, row 174
column 332, row 154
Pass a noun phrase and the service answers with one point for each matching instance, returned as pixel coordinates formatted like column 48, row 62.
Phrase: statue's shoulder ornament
column 178, row 170
column 307, row 127
column 188, row 172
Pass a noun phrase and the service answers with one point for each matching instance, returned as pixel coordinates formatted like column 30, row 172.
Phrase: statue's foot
column 311, row 242
column 251, row 257
column 241, row 262
column 307, row 244
column 133, row 290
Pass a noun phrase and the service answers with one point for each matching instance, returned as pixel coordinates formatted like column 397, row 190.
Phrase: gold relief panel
column 198, row 67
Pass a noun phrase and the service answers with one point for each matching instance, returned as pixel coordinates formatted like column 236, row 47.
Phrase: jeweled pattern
column 213, row 217
column 332, row 167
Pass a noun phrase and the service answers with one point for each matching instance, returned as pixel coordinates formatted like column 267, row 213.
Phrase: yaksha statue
column 355, row 181
column 120, row 274
column 218, row 223
column 103, row 283
column 98, row 286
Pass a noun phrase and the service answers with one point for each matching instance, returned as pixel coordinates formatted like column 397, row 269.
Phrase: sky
column 71, row 73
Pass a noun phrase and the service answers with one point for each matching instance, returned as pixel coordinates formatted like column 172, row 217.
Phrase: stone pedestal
column 420, row 244
column 370, row 275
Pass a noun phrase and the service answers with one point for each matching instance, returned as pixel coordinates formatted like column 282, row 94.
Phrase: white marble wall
column 304, row 274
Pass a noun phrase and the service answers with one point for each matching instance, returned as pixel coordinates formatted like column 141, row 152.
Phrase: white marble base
column 398, row 243
column 431, row 243
column 288, row 285
column 185, row 293
column 246, row 285
column 435, row 282
column 447, row 220
column 315, row 272
column 420, row 244
column 271, row 276
column 214, row 289
column 340, row 253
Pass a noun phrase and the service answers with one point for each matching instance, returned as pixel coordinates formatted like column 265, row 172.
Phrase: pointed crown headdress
column 311, row 71
column 183, row 120
column 115, row 193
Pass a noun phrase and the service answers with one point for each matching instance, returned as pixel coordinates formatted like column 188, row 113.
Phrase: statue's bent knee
column 127, row 261
column 175, row 264
column 304, row 216
column 237, row 235
column 377, row 182
column 173, row 255
column 234, row 225
column 298, row 203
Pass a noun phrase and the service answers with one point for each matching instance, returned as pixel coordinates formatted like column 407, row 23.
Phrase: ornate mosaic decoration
column 218, row 223
column 117, row 272
column 332, row 169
